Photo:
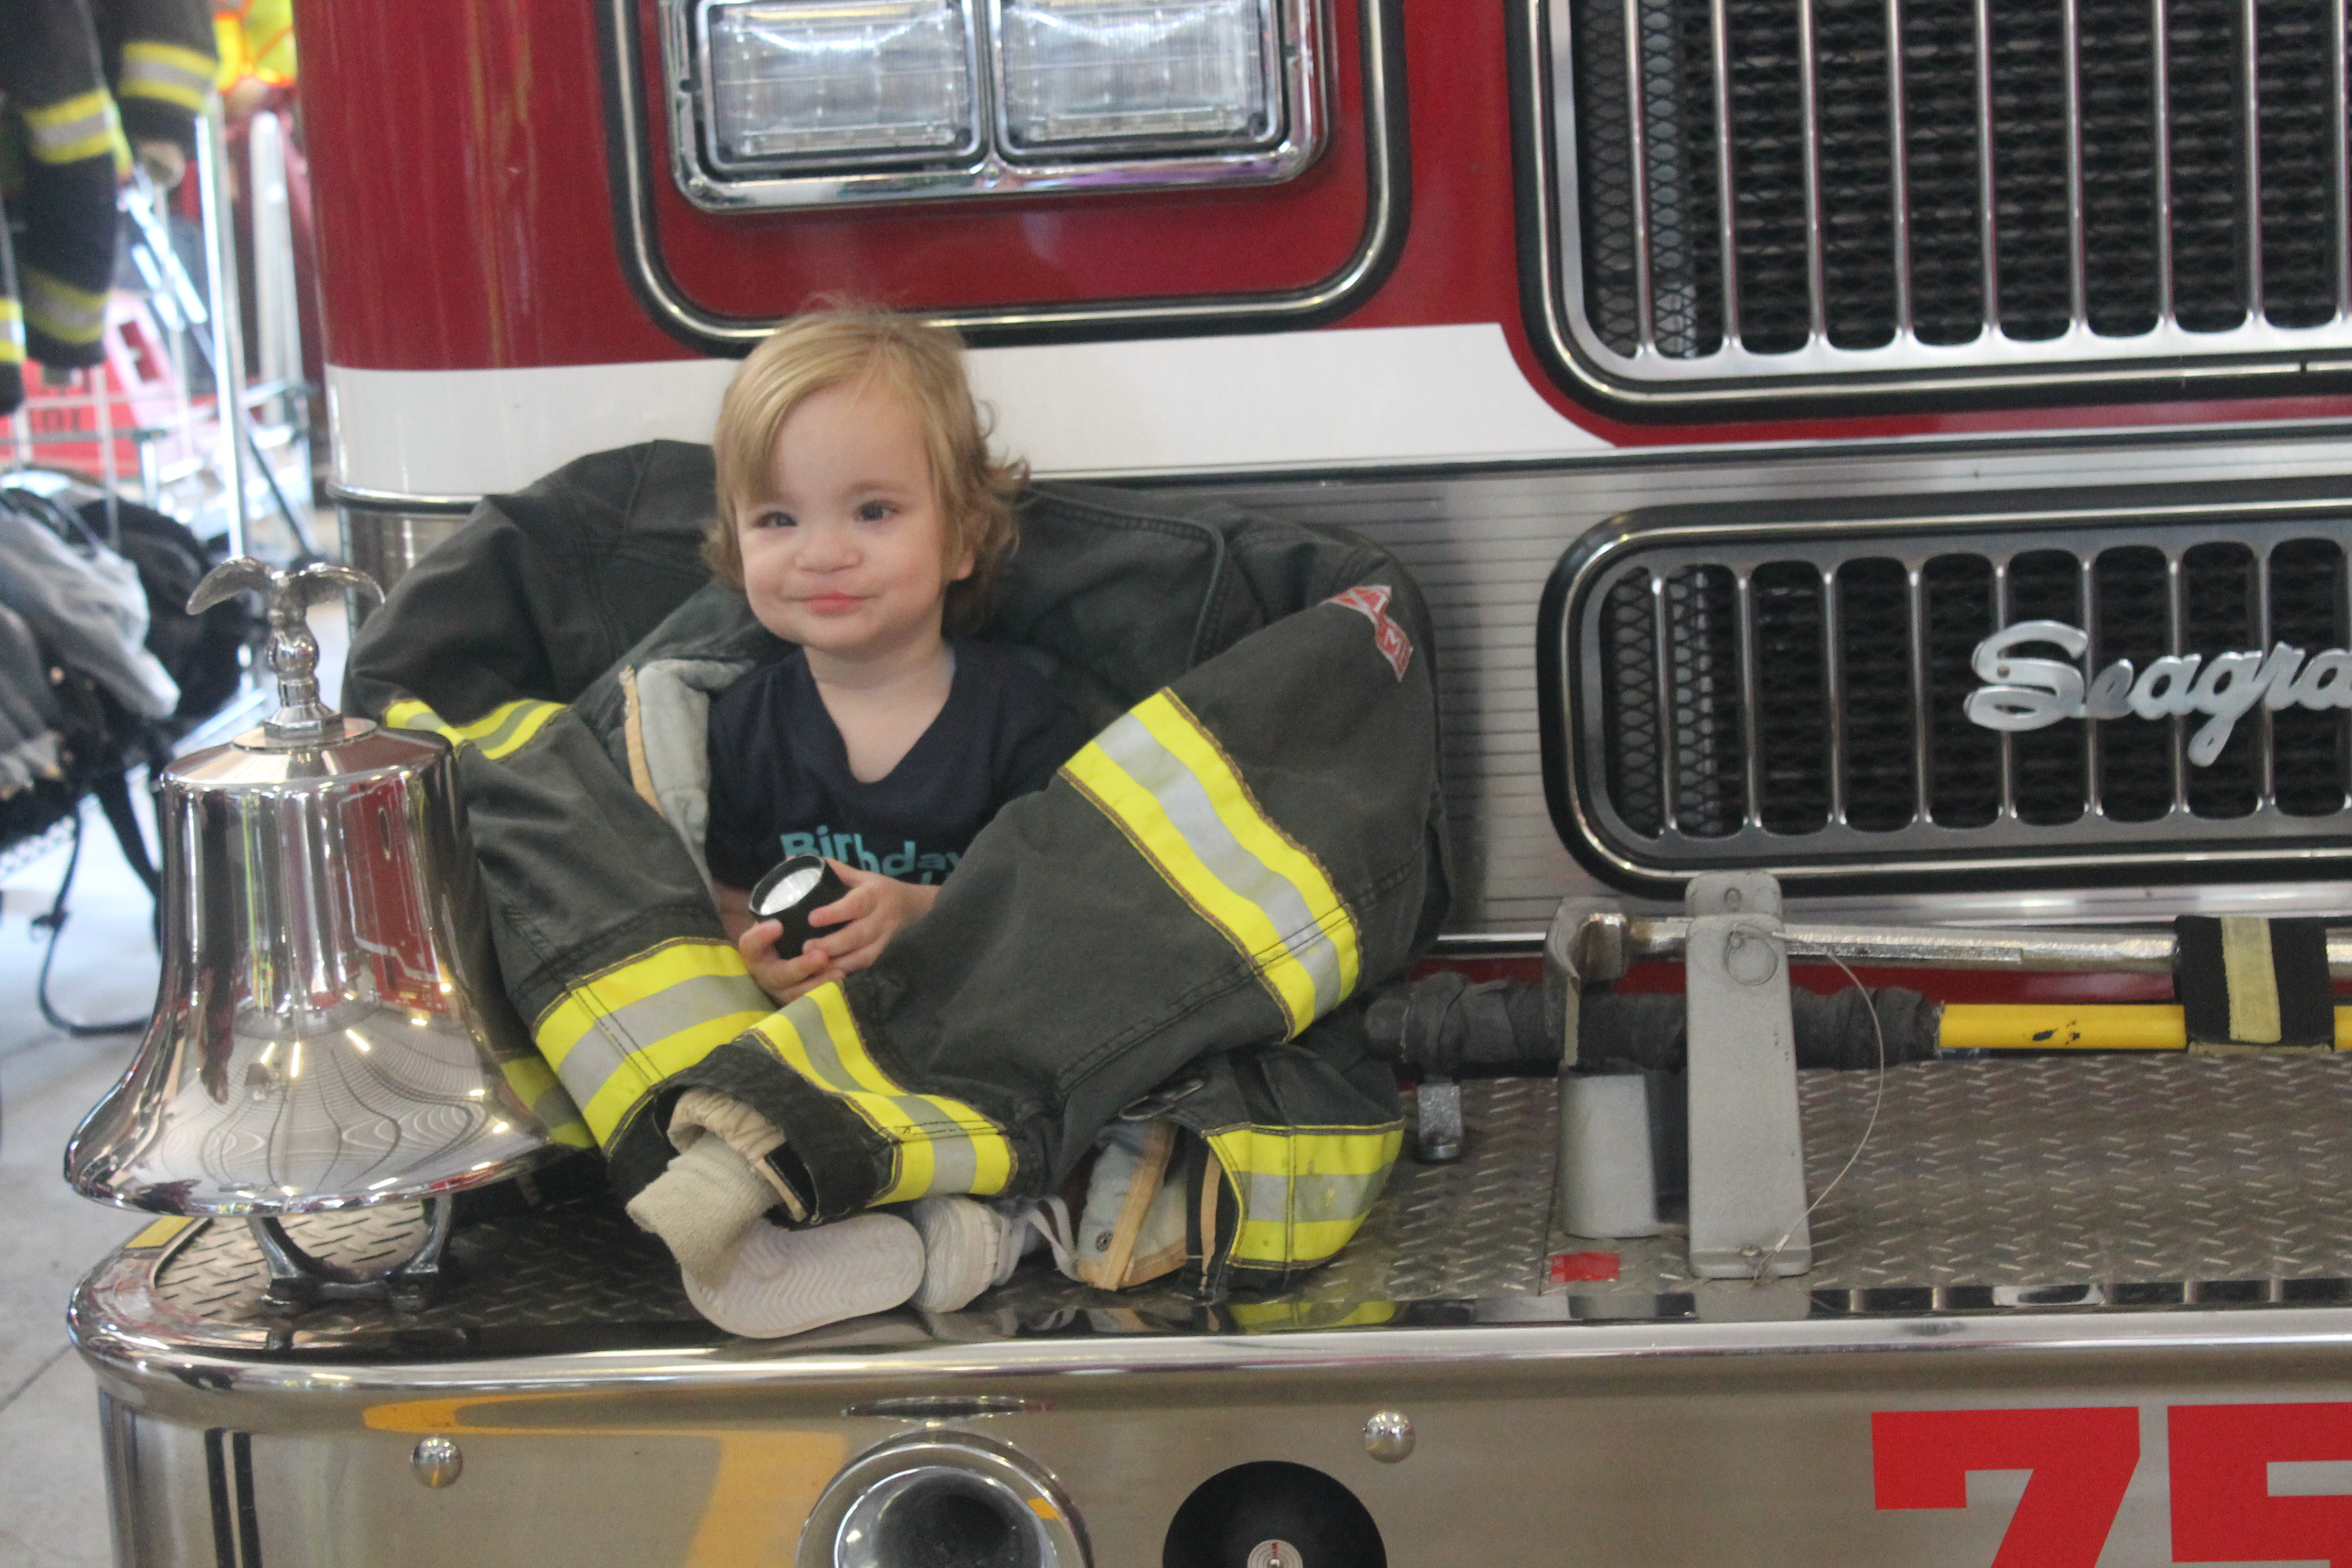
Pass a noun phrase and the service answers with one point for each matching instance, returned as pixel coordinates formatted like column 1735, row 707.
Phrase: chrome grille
column 1765, row 193
column 1799, row 701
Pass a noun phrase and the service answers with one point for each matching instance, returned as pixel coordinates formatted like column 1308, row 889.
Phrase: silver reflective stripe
column 69, row 314
column 956, row 1162
column 175, row 76
column 605, row 1049
column 1137, row 752
column 1273, row 1198
column 78, row 128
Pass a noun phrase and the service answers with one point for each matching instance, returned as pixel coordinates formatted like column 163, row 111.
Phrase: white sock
column 702, row 1207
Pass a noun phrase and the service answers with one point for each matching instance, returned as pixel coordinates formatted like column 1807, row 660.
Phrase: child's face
column 846, row 552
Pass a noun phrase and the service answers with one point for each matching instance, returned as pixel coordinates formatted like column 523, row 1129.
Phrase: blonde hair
column 922, row 363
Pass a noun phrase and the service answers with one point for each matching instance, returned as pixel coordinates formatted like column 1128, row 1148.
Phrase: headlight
column 781, row 103
column 1075, row 73
column 812, row 80
column 945, row 1499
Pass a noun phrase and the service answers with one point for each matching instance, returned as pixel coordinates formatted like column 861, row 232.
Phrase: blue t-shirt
column 781, row 784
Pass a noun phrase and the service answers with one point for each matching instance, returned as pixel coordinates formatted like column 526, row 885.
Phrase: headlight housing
column 797, row 102
column 1091, row 74
column 798, row 83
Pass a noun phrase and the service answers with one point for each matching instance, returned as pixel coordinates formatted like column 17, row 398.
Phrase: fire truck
column 1877, row 469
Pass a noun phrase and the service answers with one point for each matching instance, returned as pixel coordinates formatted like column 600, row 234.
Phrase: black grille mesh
column 2137, row 146
column 1824, row 680
column 1879, row 712
column 2307, row 749
column 1711, row 786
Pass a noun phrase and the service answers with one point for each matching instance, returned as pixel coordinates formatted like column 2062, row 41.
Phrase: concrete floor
column 52, row 1482
column 52, row 1491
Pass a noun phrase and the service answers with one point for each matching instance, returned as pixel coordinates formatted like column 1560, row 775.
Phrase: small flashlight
column 790, row 892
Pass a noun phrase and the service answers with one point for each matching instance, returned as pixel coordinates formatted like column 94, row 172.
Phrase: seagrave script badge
column 2026, row 693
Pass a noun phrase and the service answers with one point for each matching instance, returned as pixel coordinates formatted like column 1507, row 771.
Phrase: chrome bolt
column 1388, row 1437
column 437, row 1462
column 1275, row 1555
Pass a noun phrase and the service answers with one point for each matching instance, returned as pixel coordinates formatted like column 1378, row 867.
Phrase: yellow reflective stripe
column 1303, row 1191
column 938, row 1144
column 500, row 733
column 629, row 984
column 1283, row 1317
column 1163, row 779
column 72, row 129
column 1176, row 727
column 618, row 1035
column 12, row 331
column 166, row 73
column 535, row 1085
column 68, row 314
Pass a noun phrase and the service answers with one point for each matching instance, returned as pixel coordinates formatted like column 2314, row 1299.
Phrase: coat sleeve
column 160, row 58
column 60, row 113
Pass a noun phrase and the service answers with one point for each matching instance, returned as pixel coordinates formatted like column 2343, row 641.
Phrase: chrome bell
column 329, row 1032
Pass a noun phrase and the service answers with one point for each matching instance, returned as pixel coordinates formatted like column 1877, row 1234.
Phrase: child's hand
column 783, row 979
column 875, row 908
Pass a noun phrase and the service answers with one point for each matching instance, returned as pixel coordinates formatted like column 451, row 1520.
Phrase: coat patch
column 1371, row 602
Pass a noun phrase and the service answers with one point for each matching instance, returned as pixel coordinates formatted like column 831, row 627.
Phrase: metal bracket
column 297, row 1282
column 1747, row 1149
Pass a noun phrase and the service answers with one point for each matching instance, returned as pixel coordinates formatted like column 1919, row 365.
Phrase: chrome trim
column 1922, row 847
column 2250, row 86
column 360, row 498
column 1898, row 153
column 1751, row 765
column 1833, row 693
column 675, row 312
column 2340, row 97
column 2000, row 615
column 1726, row 171
column 1520, row 1336
column 2088, row 587
column 2042, row 949
column 988, row 168
column 2160, row 103
column 1987, row 175
column 2166, row 357
column 2078, row 301
column 1637, row 133
column 1809, row 87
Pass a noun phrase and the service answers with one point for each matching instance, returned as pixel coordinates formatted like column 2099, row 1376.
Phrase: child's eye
column 875, row 512
column 772, row 520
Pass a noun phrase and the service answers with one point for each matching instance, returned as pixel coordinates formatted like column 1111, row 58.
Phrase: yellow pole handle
column 2088, row 1027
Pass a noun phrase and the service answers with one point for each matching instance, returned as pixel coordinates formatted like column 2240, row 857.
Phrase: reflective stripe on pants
column 1159, row 775
column 1303, row 1191
column 504, row 729
column 938, row 1144
column 618, row 1035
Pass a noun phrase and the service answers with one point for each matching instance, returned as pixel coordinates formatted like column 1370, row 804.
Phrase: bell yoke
column 1179, row 928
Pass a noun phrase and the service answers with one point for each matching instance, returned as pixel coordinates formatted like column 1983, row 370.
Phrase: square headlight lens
column 823, row 78
column 1128, row 72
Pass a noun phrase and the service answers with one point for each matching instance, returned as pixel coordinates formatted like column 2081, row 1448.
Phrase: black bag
column 202, row 653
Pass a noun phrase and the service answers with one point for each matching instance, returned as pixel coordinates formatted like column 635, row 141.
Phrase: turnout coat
column 1181, row 926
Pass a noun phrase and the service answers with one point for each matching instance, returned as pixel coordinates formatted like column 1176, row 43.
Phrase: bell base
column 298, row 1281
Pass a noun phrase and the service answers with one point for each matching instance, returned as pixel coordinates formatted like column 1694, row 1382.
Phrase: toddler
column 862, row 517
